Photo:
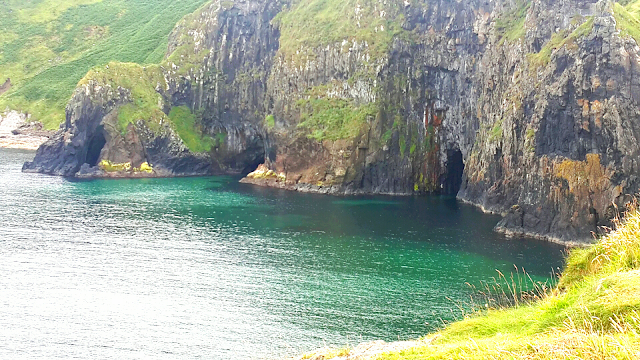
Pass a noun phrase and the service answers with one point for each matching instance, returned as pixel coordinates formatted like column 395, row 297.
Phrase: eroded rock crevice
column 452, row 181
column 96, row 144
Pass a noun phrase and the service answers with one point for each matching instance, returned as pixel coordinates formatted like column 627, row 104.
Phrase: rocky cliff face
column 525, row 108
column 407, row 94
column 218, row 63
column 91, row 142
column 566, row 151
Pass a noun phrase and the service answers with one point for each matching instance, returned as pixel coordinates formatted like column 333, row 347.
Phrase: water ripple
column 209, row 268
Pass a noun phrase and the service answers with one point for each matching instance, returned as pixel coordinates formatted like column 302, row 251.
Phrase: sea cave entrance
column 95, row 147
column 453, row 177
column 256, row 158
column 252, row 165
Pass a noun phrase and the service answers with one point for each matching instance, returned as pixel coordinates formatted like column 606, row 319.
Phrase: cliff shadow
column 96, row 144
column 452, row 181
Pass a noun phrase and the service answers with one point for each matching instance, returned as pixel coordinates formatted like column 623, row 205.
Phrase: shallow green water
column 209, row 268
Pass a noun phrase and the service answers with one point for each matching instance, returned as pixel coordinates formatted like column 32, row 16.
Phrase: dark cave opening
column 95, row 147
column 455, row 168
column 252, row 166
column 266, row 156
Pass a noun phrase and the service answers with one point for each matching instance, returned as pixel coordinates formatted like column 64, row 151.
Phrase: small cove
column 192, row 268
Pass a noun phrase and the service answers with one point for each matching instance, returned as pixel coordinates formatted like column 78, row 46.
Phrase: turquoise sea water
column 209, row 268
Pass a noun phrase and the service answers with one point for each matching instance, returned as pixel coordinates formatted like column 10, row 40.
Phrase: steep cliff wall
column 196, row 113
column 368, row 120
column 218, row 63
column 525, row 108
column 562, row 120
column 522, row 108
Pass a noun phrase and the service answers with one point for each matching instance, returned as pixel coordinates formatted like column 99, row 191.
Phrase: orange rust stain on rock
column 585, row 107
column 593, row 109
column 437, row 121
column 597, row 110
column 583, row 176
column 595, row 83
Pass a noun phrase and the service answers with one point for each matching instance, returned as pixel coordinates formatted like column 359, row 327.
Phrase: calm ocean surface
column 206, row 268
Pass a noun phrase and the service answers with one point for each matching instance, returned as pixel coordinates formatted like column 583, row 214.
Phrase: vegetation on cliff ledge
column 147, row 104
column 627, row 15
column 309, row 24
column 141, row 81
column 186, row 125
column 332, row 118
column 510, row 26
column 593, row 313
column 558, row 40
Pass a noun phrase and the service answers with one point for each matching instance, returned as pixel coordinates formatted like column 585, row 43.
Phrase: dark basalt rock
column 82, row 134
column 227, row 88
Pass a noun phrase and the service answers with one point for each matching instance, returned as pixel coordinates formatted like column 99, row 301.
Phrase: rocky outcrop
column 91, row 135
column 5, row 87
column 404, row 92
column 218, row 63
column 524, row 108
column 563, row 160
column 17, row 132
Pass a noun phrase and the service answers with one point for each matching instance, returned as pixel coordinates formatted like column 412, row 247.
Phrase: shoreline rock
column 263, row 176
column 364, row 351
column 17, row 133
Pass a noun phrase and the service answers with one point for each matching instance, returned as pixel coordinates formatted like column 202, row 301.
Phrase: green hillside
column 47, row 46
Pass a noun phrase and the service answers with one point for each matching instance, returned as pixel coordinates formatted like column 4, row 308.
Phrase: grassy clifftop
column 627, row 15
column 308, row 24
column 47, row 46
column 593, row 313
column 147, row 104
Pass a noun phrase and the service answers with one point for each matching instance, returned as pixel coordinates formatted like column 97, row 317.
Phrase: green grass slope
column 47, row 46
column 307, row 24
column 594, row 313
column 627, row 15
